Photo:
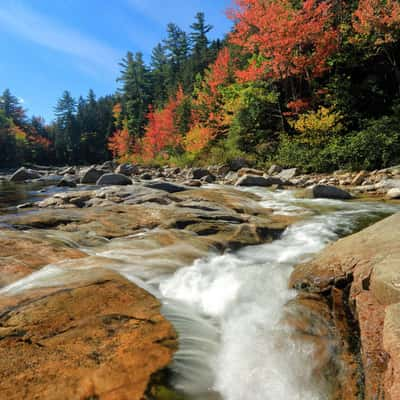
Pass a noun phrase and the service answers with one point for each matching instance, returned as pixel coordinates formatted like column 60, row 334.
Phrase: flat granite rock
column 100, row 339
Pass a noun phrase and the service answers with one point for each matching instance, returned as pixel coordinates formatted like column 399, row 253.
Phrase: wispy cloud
column 163, row 12
column 37, row 28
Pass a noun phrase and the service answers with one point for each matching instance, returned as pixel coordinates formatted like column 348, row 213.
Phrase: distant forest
column 312, row 84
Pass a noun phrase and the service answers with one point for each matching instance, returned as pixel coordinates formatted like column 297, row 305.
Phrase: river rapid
column 228, row 309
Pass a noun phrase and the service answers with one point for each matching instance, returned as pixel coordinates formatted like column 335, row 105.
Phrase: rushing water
column 228, row 309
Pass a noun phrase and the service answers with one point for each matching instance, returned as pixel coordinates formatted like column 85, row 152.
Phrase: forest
column 313, row 84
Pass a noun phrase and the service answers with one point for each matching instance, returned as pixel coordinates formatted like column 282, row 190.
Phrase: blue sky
column 48, row 46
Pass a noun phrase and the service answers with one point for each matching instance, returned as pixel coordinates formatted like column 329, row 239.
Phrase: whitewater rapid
column 228, row 309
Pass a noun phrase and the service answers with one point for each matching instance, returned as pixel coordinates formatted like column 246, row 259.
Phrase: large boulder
column 361, row 274
column 255, row 180
column 100, row 338
column 113, row 179
column 24, row 174
column 329, row 192
column 91, row 176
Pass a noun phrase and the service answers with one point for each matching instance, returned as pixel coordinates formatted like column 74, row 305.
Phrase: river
column 229, row 308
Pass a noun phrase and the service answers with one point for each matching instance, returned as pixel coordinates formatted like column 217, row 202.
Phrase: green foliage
column 374, row 147
column 255, row 117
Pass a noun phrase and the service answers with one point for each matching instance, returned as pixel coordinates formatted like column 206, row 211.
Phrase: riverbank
column 214, row 260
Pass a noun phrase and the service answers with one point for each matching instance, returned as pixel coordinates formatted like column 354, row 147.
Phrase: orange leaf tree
column 288, row 41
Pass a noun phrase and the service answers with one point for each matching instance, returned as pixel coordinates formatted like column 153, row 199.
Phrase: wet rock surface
column 363, row 271
column 103, row 338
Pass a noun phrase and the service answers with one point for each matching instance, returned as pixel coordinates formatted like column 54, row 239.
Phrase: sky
column 48, row 46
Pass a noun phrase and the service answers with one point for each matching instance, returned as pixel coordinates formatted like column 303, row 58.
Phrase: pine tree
column 159, row 74
column 177, row 46
column 200, row 43
column 67, row 134
column 135, row 91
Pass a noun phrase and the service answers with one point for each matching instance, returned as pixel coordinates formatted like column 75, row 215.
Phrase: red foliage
column 220, row 71
column 40, row 141
column 161, row 131
column 120, row 143
column 207, row 110
column 379, row 17
column 298, row 106
column 290, row 41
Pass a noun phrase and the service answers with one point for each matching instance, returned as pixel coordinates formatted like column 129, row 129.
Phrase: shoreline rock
column 362, row 271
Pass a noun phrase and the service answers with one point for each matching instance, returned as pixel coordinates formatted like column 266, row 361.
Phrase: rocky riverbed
column 126, row 282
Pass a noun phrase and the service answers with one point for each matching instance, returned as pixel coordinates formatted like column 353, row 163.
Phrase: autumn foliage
column 161, row 132
column 120, row 143
column 289, row 41
column 377, row 17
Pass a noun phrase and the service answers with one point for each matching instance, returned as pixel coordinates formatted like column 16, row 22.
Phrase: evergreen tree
column 200, row 43
column 67, row 135
column 11, row 107
column 135, row 91
column 159, row 74
column 177, row 46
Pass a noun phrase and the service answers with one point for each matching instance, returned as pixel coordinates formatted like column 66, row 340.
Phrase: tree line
column 82, row 127
column 312, row 83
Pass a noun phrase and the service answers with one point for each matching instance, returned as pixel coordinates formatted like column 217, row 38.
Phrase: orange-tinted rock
column 21, row 254
column 97, row 340
column 369, row 262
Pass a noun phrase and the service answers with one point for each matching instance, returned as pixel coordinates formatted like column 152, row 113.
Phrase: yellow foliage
column 19, row 134
column 317, row 126
column 197, row 139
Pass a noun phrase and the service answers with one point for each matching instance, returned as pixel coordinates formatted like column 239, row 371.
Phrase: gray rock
column 198, row 173
column 274, row 169
column 210, row 178
column 166, row 186
column 288, row 174
column 192, row 183
column 91, row 176
column 329, row 192
column 68, row 171
column 113, row 179
column 67, row 182
column 255, row 180
column 393, row 194
column 147, row 176
column 238, row 163
column 24, row 174
column 108, row 166
column 126, row 169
